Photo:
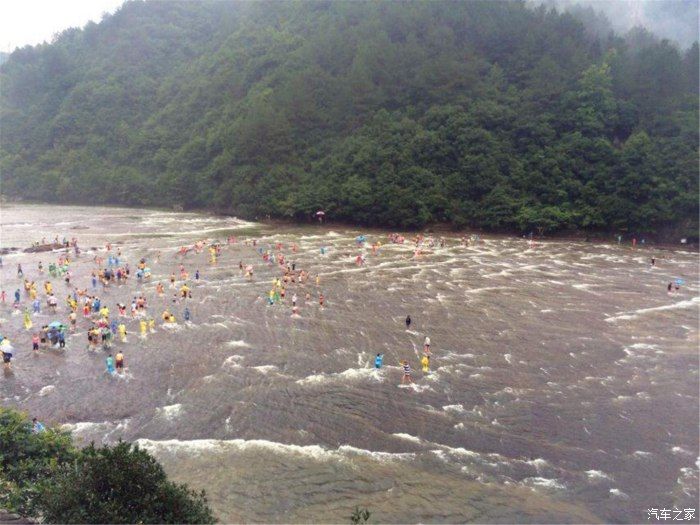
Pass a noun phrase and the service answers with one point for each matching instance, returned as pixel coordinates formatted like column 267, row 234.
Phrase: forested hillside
column 485, row 114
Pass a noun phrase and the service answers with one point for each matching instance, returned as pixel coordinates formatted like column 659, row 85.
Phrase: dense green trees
column 43, row 476
column 27, row 459
column 120, row 484
column 484, row 114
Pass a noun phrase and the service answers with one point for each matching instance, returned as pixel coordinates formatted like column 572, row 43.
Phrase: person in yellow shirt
column 27, row 320
column 122, row 332
column 142, row 327
column 104, row 312
column 425, row 361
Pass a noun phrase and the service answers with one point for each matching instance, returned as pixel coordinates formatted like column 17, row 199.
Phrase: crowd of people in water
column 107, row 324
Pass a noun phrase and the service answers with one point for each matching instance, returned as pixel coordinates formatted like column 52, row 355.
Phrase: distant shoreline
column 444, row 229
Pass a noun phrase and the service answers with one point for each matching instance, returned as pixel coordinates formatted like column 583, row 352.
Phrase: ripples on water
column 564, row 383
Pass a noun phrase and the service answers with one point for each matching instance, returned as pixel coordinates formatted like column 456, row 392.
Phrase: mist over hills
column 494, row 115
column 676, row 20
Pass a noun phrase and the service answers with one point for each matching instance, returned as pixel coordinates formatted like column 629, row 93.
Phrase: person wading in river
column 406, row 379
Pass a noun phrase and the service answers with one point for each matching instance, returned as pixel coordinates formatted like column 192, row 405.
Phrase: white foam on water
column 90, row 427
column 232, row 362
column 644, row 346
column 453, row 408
column 265, row 369
column 627, row 316
column 688, row 480
column 618, row 494
column 680, row 451
column 83, row 426
column 408, row 437
column 544, row 483
column 238, row 344
column 170, row 412
column 46, row 390
column 417, row 388
column 538, row 463
column 458, row 451
column 316, row 452
column 585, row 287
column 508, row 358
column 351, row 374
column 487, row 288
column 376, row 455
column 597, row 474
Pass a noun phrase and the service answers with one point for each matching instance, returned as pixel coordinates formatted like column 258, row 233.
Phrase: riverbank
column 595, row 236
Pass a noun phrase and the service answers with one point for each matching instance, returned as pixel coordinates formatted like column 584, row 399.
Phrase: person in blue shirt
column 37, row 306
column 186, row 314
column 110, row 365
column 37, row 426
column 17, row 295
column 378, row 361
column 196, row 275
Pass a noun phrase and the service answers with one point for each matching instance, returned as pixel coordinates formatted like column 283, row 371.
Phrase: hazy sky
column 30, row 22
column 24, row 22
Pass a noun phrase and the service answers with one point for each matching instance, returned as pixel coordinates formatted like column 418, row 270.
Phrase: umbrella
column 57, row 325
column 679, row 281
column 320, row 213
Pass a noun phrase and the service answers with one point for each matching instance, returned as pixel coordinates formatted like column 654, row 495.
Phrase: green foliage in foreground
column 360, row 516
column 43, row 476
column 495, row 115
column 27, row 460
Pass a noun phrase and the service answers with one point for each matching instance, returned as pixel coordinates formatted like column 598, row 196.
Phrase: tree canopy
column 493, row 115
column 42, row 475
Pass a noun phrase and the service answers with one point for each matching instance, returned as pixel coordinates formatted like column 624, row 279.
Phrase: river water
column 564, row 382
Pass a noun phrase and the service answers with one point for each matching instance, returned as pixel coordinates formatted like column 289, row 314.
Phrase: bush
column 44, row 476
column 360, row 516
column 26, row 459
column 120, row 484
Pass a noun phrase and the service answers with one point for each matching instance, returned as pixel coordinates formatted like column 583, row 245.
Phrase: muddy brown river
column 563, row 383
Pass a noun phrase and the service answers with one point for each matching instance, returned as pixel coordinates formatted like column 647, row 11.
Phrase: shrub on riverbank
column 43, row 475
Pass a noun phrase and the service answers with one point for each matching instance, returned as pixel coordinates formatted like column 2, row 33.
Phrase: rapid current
column 563, row 383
